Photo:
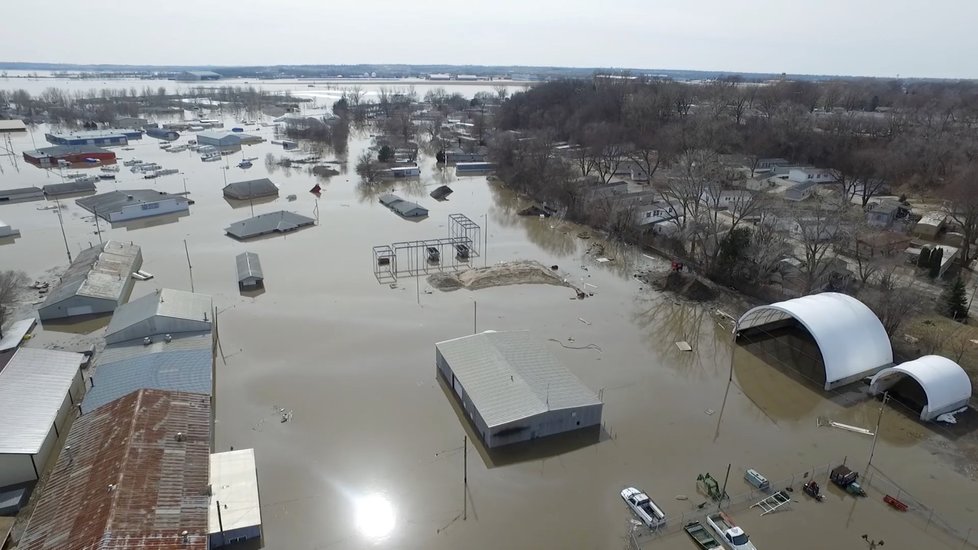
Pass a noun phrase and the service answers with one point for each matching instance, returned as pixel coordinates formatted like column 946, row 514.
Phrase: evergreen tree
column 936, row 257
column 923, row 260
column 954, row 301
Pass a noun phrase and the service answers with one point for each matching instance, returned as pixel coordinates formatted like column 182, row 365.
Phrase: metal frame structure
column 410, row 258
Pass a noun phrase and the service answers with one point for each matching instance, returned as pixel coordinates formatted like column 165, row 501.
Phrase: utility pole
column 465, row 477
column 98, row 227
column 189, row 267
column 723, row 492
column 876, row 433
column 475, row 317
column 62, row 223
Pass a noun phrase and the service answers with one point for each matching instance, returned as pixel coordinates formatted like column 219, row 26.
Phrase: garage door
column 80, row 310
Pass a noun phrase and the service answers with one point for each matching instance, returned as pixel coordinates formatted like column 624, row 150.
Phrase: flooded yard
column 372, row 454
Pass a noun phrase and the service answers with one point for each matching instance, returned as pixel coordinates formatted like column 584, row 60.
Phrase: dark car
column 462, row 251
column 433, row 255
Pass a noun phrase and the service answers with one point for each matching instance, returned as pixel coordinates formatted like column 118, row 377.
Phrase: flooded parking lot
column 372, row 454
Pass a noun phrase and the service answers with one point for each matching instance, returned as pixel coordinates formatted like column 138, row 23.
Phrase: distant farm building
column 800, row 192
column 474, row 168
column 198, row 75
column 815, row 175
column 120, row 206
column 163, row 133
column 12, row 126
column 251, row 189
column 134, row 474
column 39, row 390
column 7, row 231
column 263, row 224
column 849, row 340
column 48, row 157
column 513, row 389
column 97, row 281
column 250, row 274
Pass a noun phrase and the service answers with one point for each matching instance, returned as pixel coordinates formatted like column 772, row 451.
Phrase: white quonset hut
column 98, row 281
column 934, row 384
column 513, row 389
column 39, row 389
column 850, row 337
column 235, row 508
column 165, row 311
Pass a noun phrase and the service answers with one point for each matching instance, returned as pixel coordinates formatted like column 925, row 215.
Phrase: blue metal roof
column 182, row 370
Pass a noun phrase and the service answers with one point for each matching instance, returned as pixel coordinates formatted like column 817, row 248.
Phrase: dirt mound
column 510, row 273
column 685, row 285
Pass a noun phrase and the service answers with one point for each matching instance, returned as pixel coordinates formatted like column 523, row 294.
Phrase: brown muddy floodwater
column 372, row 457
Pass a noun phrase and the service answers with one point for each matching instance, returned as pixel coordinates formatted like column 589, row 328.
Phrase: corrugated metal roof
column 179, row 370
column 281, row 221
column 98, row 272
column 218, row 135
column 127, row 481
column 167, row 302
column 32, row 387
column 68, row 187
column 234, row 482
column 510, row 376
column 133, row 349
column 61, row 150
column 251, row 189
column 248, row 266
column 113, row 201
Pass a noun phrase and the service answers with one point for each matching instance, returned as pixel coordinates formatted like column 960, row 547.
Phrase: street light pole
column 876, row 434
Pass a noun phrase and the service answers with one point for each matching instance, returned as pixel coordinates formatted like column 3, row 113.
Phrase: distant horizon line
column 47, row 65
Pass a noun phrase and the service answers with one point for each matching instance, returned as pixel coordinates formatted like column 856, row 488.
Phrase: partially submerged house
column 403, row 208
column 251, row 189
column 97, row 281
column 132, row 204
column 264, row 224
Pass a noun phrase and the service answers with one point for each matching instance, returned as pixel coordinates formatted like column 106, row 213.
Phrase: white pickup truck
column 730, row 534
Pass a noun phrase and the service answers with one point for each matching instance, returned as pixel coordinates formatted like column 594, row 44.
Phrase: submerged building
column 120, row 206
column 97, row 281
column 263, row 224
column 48, row 157
column 513, row 389
column 403, row 208
column 251, row 189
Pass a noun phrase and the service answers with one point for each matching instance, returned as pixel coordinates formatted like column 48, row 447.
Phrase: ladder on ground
column 772, row 503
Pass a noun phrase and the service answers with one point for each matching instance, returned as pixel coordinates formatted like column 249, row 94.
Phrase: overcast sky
column 849, row 37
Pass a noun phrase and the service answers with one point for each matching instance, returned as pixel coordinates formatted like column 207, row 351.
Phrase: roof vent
column 128, row 197
column 181, row 436
column 167, row 338
column 111, row 487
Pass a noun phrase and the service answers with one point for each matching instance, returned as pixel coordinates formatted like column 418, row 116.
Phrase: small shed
column 221, row 140
column 441, row 192
column 250, row 275
column 930, row 225
column 235, row 506
column 800, row 192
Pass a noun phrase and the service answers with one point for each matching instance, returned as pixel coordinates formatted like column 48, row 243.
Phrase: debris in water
column 682, row 497
column 709, row 412
column 291, row 198
column 603, row 260
column 948, row 418
column 822, row 421
column 583, row 235
column 684, row 346
column 585, row 321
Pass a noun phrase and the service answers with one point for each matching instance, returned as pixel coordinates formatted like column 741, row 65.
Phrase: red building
column 50, row 157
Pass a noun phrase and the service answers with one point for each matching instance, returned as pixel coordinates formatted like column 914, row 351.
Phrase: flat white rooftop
column 234, row 484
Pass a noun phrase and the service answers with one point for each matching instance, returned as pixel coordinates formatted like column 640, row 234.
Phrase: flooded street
column 372, row 457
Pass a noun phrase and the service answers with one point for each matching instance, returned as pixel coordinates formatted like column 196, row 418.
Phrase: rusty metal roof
column 127, row 480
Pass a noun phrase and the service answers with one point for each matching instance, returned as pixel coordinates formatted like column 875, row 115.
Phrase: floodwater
column 373, row 458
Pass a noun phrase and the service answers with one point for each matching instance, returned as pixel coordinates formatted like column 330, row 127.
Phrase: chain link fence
column 955, row 536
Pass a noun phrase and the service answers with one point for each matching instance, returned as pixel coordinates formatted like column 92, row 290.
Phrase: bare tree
column 817, row 230
column 962, row 205
column 11, row 282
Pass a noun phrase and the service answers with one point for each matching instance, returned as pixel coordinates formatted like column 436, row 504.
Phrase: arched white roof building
column 945, row 384
column 850, row 337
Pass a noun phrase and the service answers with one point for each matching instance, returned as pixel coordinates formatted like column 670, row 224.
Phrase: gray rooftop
column 402, row 207
column 33, row 386
column 248, row 266
column 262, row 224
column 58, row 150
column 113, row 201
column 251, row 189
column 98, row 272
column 133, row 349
column 180, row 305
column 67, row 187
column 187, row 370
column 510, row 376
